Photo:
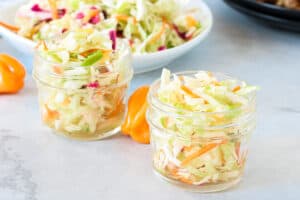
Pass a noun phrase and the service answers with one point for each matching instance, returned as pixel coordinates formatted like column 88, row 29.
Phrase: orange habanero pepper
column 135, row 124
column 12, row 74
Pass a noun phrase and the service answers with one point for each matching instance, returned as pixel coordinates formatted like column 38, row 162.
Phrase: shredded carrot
column 98, row 93
column 125, row 18
column 159, row 34
column 191, row 21
column 66, row 101
column 119, row 109
column 57, row 70
column 44, row 45
column 91, row 14
column 185, row 180
column 49, row 115
column 202, row 151
column 172, row 169
column 41, row 43
column 105, row 57
column 189, row 148
column 191, row 93
column 217, row 83
column 53, row 7
column 9, row 26
column 237, row 88
column 198, row 153
column 237, row 149
column 88, row 52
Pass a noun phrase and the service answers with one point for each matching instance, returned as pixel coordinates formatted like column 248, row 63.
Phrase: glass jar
column 77, row 106
column 213, row 160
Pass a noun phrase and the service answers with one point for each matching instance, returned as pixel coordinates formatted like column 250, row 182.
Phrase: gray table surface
column 38, row 165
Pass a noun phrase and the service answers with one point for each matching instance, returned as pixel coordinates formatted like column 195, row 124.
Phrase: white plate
column 141, row 62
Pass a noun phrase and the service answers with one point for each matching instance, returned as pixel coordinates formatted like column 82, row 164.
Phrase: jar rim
column 121, row 47
column 154, row 101
column 163, row 132
column 112, row 86
column 37, row 54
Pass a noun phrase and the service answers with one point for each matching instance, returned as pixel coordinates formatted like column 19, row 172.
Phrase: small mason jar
column 76, row 105
column 208, row 162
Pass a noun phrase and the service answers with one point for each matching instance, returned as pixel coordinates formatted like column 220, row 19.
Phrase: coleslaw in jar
column 82, row 78
column 200, row 124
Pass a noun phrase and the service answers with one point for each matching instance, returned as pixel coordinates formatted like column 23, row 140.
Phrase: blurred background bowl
column 273, row 15
column 141, row 62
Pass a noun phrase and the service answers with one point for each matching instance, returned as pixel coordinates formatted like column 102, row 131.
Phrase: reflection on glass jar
column 199, row 151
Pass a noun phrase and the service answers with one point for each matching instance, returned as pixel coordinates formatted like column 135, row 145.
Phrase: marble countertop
column 38, row 165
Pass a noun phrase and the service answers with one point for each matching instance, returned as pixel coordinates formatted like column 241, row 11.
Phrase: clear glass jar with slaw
column 200, row 124
column 82, row 78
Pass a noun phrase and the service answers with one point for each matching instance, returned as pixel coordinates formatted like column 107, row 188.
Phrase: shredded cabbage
column 149, row 25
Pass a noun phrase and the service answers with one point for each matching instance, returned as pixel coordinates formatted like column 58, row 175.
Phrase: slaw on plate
column 148, row 25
